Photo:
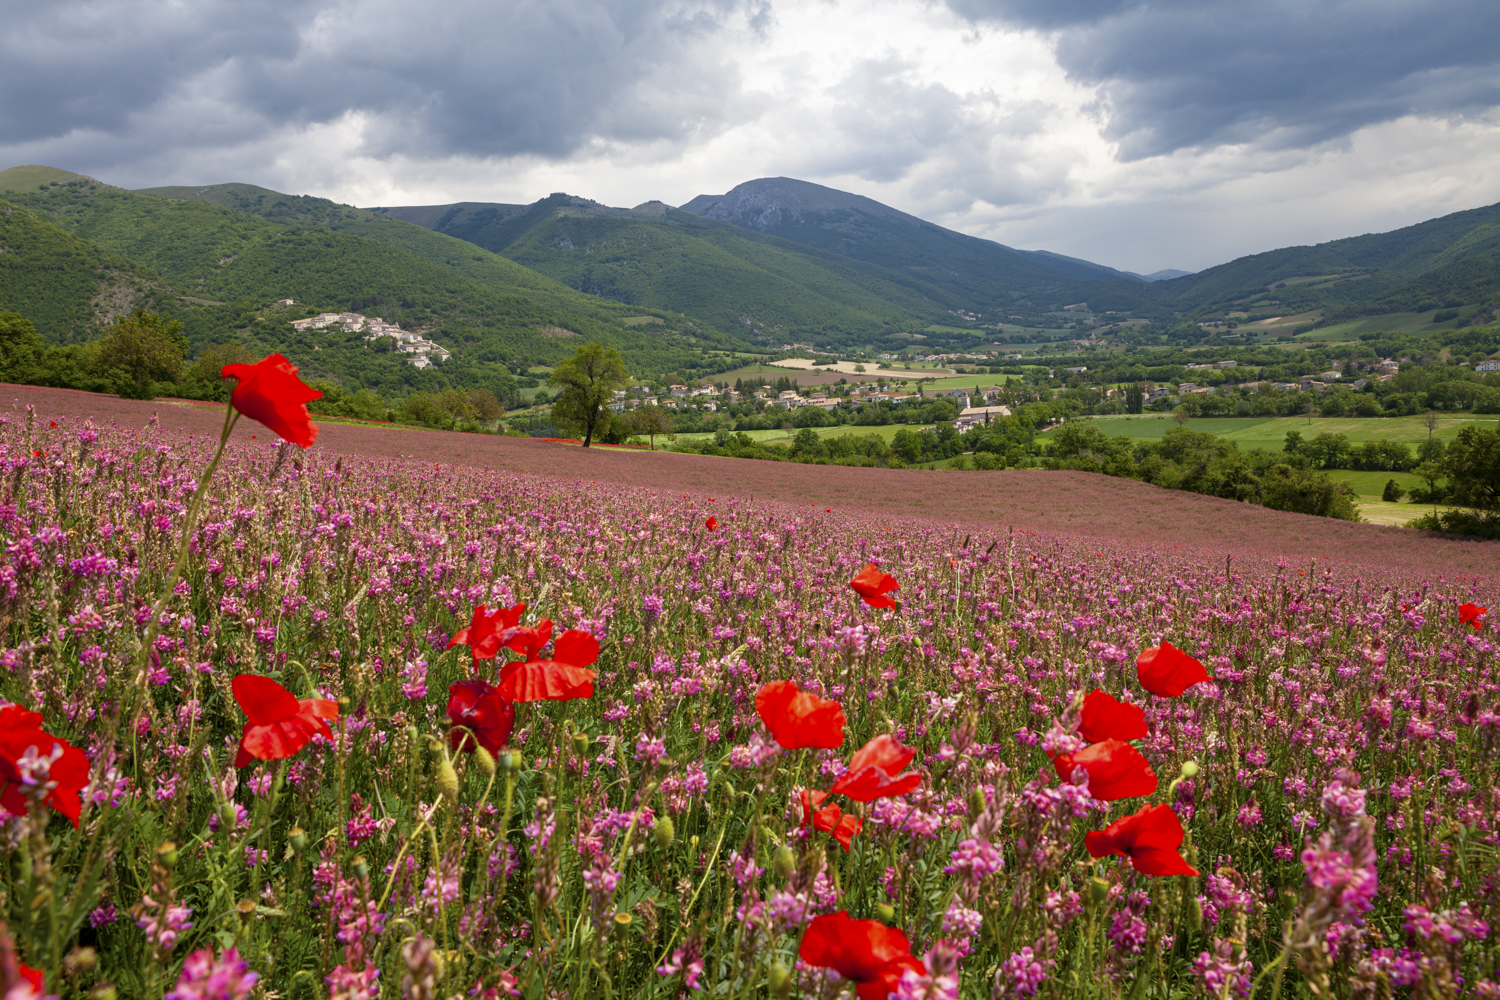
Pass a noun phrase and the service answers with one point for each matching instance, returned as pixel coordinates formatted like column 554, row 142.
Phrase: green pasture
column 886, row 432
column 1371, row 485
column 1269, row 433
column 1421, row 322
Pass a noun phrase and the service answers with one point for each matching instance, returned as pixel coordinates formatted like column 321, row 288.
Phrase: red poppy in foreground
column 486, row 716
column 799, row 719
column 865, row 952
column 564, row 677
column 1150, row 839
column 277, row 724
column 873, row 586
column 829, row 819
column 1104, row 718
column 1116, row 770
column 1471, row 614
column 483, row 634
column 270, row 392
column 1167, row 671
column 875, row 771
column 22, row 742
column 712, row 524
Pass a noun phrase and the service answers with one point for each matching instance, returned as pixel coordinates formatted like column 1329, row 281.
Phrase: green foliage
column 1472, row 466
column 587, row 381
column 1393, row 492
column 145, row 346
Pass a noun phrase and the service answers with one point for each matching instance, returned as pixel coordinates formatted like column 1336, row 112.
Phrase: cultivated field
column 1269, row 433
column 735, row 753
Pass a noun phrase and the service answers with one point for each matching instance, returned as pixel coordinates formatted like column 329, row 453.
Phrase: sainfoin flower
column 1104, row 718
column 1167, row 671
column 866, row 952
column 270, row 393
column 1149, row 838
column 33, row 760
column 799, row 719
column 479, row 714
column 1116, row 770
column 873, row 586
column 1471, row 614
column 485, row 628
column 207, row 978
column 875, row 771
column 828, row 819
column 277, row 724
column 562, row 678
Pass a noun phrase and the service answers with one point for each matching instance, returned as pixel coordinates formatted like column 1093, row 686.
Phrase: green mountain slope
column 660, row 256
column 981, row 271
column 66, row 286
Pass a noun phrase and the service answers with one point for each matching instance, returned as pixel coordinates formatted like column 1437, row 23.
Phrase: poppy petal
column 1103, row 718
column 1167, row 671
column 576, row 647
column 262, row 699
column 545, row 680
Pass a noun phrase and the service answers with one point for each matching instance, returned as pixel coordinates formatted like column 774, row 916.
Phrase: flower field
column 426, row 730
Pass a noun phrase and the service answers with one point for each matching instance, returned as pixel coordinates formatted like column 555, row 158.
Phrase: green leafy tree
column 1472, row 464
column 650, row 421
column 1393, row 492
column 21, row 349
column 585, row 382
column 202, row 379
column 146, row 346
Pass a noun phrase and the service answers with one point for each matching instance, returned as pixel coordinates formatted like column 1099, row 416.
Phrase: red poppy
column 829, row 819
column 277, row 724
column 527, row 640
column 712, row 524
column 1470, row 614
column 799, row 719
column 873, row 586
column 1167, row 671
column 36, row 978
column 1150, row 839
column 564, row 677
column 483, row 634
column 875, row 771
column 486, row 717
column 866, row 952
column 22, row 737
column 1116, row 770
column 1104, row 718
column 270, row 393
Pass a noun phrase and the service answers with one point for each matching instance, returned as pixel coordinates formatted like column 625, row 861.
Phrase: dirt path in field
column 1082, row 504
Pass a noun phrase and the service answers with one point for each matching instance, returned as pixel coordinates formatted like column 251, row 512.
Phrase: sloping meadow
column 1334, row 781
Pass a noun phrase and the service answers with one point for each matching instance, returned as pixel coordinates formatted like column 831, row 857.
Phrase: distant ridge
column 33, row 177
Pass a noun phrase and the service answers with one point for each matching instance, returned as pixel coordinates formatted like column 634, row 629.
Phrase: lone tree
column 585, row 382
column 146, row 346
column 650, row 421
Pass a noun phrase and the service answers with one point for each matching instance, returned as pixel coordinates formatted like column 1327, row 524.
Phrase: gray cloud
column 1177, row 74
column 471, row 77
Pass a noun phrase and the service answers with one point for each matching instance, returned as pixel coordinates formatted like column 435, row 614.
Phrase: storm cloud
column 1175, row 74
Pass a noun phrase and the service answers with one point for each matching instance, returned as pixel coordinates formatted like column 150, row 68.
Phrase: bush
column 1393, row 492
column 1480, row 524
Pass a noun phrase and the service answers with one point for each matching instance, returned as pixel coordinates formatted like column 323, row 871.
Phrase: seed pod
column 977, row 802
column 664, row 833
column 447, row 781
column 166, row 855
column 1190, row 769
column 580, row 743
column 361, row 866
column 1098, row 890
column 104, row 991
column 510, row 762
column 785, row 861
column 229, row 817
column 623, row 919
column 297, row 839
column 886, row 912
column 485, row 762
column 412, row 733
column 1195, row 913
column 779, row 979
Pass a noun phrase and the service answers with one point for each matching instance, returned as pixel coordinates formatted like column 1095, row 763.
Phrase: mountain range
column 678, row 290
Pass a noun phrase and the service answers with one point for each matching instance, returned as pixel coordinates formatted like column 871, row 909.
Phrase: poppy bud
column 434, row 745
column 344, row 704
column 785, row 861
column 166, row 855
column 412, row 733
column 886, row 912
column 1098, row 890
column 779, row 979
column 509, row 762
column 447, row 781
column 664, row 832
column 580, row 743
column 1190, row 769
column 1195, row 913
column 229, row 817
column 360, row 866
column 977, row 802
column 297, row 838
column 485, row 761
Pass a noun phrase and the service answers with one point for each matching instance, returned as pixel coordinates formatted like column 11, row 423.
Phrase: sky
column 1168, row 134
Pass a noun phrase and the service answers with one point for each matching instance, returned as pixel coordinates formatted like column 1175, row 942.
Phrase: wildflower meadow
column 286, row 723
